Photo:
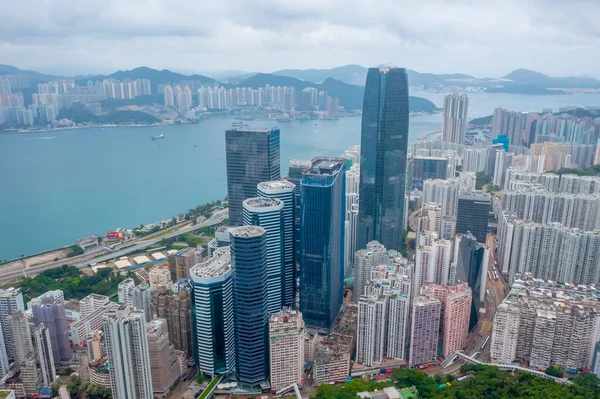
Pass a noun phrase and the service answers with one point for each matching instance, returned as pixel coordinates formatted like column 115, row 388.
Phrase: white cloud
column 488, row 37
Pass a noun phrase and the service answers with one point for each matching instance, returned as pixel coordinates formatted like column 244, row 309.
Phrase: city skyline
column 302, row 33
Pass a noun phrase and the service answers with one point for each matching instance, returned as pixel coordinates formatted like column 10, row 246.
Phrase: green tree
column 74, row 385
column 554, row 371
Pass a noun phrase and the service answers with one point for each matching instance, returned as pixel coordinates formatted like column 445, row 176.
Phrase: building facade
column 473, row 215
column 286, row 348
column 164, row 365
column 424, row 330
column 454, row 125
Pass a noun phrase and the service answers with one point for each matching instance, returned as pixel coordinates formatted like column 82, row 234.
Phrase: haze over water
column 90, row 181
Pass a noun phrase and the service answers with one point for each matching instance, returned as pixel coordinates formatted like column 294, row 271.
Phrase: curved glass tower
column 249, row 263
column 384, row 141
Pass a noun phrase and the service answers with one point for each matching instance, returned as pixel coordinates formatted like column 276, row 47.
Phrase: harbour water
column 58, row 186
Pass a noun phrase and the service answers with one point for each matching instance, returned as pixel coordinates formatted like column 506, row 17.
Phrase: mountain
column 34, row 77
column 350, row 96
column 158, row 77
column 529, row 77
column 344, row 74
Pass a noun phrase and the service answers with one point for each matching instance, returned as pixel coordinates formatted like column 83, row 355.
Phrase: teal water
column 90, row 181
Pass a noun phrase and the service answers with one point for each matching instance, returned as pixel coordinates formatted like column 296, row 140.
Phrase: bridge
column 504, row 367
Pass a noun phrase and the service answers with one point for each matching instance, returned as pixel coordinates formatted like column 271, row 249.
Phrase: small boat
column 195, row 146
column 160, row 136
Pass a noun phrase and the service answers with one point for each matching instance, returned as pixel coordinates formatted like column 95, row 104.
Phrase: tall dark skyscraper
column 249, row 264
column 472, row 215
column 252, row 157
column 295, row 176
column 470, row 265
column 323, row 190
column 384, row 140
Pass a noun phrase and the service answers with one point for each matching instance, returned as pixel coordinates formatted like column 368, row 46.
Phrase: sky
column 479, row 37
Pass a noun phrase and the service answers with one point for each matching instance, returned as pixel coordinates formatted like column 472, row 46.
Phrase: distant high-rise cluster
column 454, row 125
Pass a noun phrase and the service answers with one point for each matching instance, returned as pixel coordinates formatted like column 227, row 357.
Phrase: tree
column 554, row 371
column 74, row 385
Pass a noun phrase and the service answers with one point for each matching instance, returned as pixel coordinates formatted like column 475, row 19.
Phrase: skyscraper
column 43, row 345
column 19, row 327
column 213, row 314
column 252, row 157
column 425, row 329
column 128, row 354
column 454, row 126
column 140, row 299
column 249, row 263
column 164, row 365
column 285, row 191
column 365, row 260
column 286, row 348
column 267, row 213
column 322, row 241
column 295, row 170
column 180, row 263
column 11, row 300
column 125, row 291
column 384, row 141
column 52, row 314
column 472, row 215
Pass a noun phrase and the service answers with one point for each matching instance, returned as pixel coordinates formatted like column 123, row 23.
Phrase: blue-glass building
column 502, row 139
column 383, row 147
column 469, row 268
column 252, row 157
column 249, row 262
column 323, row 190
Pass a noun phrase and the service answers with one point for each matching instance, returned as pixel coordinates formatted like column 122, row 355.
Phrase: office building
column 252, row 157
column 164, row 365
column 383, row 312
column 180, row 263
column 285, row 192
column 471, row 265
column 159, row 276
column 544, row 323
column 126, row 342
column 425, row 330
column 51, row 313
column 473, row 214
column 322, row 241
column 43, row 344
column 125, row 291
column 296, row 167
column 213, row 314
column 384, row 142
column 140, row 299
column 11, row 300
column 268, row 213
column 455, row 313
column 19, row 328
column 454, row 125
column 249, row 264
column 286, row 348
column 425, row 168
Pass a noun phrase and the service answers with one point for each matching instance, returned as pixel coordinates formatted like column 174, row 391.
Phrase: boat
column 160, row 136
column 238, row 123
column 195, row 146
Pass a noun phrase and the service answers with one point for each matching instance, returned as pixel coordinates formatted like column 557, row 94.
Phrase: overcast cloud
column 480, row 37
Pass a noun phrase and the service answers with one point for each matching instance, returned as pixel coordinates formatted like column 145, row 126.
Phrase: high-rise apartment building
column 169, row 96
column 374, row 255
column 442, row 192
column 249, row 264
column 424, row 168
column 140, row 299
column 432, row 262
column 454, row 125
column 253, row 156
column 322, row 241
column 455, row 314
column 473, row 215
column 11, row 300
column 510, row 124
column 180, row 263
column 284, row 191
column 43, row 344
column 126, row 341
column 19, row 328
column 268, row 213
column 213, row 314
column 164, row 365
column 159, row 276
column 383, row 312
column 384, row 142
column 51, row 313
column 425, row 329
column 92, row 303
column 125, row 291
column 286, row 348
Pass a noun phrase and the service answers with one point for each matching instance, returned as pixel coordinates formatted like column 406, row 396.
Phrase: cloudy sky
column 480, row 37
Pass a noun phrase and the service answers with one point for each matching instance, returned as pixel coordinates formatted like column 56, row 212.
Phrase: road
column 8, row 274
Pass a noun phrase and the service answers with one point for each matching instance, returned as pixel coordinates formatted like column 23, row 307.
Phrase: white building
column 286, row 343
column 125, row 291
column 45, row 357
column 11, row 300
column 159, row 276
column 128, row 354
column 454, row 126
column 364, row 261
column 442, row 192
column 91, row 303
column 141, row 300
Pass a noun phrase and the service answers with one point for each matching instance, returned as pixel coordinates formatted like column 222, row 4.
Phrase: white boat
column 160, row 136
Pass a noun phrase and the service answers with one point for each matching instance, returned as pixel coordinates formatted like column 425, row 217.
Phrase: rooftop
column 249, row 129
column 262, row 202
column 218, row 265
column 248, row 231
column 276, row 186
column 325, row 166
column 299, row 163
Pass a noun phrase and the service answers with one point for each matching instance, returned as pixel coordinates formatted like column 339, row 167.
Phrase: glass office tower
column 249, row 262
column 252, row 157
column 323, row 190
column 384, row 141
